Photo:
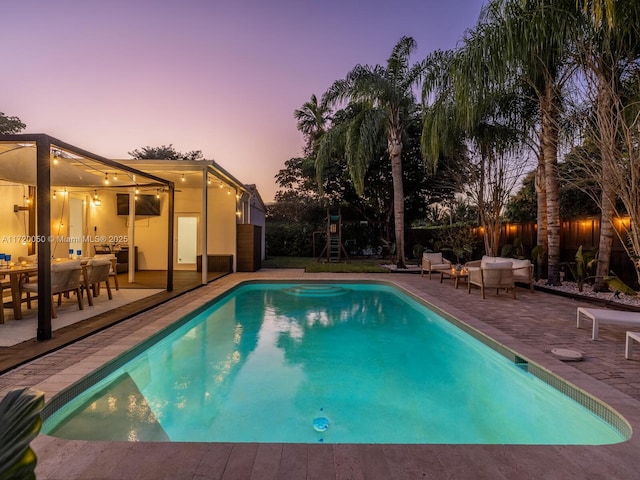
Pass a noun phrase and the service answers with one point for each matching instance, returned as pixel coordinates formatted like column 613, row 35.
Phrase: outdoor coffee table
column 456, row 275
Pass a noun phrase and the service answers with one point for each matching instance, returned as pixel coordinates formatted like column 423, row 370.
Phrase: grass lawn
column 309, row 264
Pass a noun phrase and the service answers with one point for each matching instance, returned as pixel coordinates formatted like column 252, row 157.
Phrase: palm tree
column 527, row 41
column 608, row 56
column 385, row 96
column 313, row 119
column 489, row 136
column 601, row 11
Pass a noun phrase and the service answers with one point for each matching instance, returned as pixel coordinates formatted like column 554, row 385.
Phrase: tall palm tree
column 489, row 135
column 386, row 96
column 608, row 56
column 313, row 119
column 601, row 11
column 527, row 40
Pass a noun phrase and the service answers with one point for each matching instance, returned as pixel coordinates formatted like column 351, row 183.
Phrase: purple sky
column 221, row 77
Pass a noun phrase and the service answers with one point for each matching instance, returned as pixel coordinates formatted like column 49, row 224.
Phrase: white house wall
column 14, row 224
column 221, row 233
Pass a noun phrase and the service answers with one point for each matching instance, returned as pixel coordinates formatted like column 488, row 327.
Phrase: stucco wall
column 14, row 225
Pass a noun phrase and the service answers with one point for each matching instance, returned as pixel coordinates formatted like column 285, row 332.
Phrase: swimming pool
column 338, row 363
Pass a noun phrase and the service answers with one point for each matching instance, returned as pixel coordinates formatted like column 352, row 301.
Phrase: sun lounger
column 603, row 315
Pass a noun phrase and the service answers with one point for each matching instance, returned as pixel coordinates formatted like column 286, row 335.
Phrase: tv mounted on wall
column 147, row 205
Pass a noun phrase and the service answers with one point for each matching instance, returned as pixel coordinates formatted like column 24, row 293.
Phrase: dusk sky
column 221, row 77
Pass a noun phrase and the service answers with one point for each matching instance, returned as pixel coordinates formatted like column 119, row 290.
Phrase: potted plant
column 21, row 422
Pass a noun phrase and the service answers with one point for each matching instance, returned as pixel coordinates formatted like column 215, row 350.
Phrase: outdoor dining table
column 14, row 273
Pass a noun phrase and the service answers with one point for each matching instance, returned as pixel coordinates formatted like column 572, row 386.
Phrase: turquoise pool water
column 336, row 363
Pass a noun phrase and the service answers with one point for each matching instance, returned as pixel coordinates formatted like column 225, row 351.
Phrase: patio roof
column 47, row 163
column 74, row 167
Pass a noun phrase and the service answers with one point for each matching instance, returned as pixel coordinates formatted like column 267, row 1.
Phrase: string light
column 106, row 179
column 54, row 195
column 137, row 190
column 183, row 179
column 115, row 176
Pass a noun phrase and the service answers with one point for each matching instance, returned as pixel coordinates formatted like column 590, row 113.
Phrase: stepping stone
column 567, row 355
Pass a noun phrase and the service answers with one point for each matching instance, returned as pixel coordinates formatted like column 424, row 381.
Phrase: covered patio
column 53, row 191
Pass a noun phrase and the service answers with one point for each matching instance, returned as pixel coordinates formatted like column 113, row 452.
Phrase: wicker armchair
column 433, row 262
column 491, row 275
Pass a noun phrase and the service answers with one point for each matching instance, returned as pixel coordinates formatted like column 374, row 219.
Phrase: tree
column 313, row 119
column 10, row 125
column 492, row 142
column 165, row 152
column 578, row 194
column 528, row 41
column 608, row 54
column 385, row 95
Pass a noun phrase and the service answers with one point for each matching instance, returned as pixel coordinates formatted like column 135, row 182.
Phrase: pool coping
column 611, row 460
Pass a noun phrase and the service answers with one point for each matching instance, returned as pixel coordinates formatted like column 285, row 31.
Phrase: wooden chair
column 433, row 262
column 65, row 277
column 94, row 273
column 4, row 285
column 114, row 266
column 492, row 275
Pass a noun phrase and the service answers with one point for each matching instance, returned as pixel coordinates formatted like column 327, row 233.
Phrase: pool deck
column 532, row 325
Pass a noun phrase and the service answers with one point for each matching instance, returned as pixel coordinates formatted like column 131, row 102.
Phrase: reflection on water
column 116, row 412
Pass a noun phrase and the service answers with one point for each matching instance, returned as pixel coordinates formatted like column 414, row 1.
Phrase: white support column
column 131, row 234
column 204, row 224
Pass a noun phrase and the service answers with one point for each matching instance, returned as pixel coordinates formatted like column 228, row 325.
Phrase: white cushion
column 487, row 259
column 492, row 265
column 434, row 258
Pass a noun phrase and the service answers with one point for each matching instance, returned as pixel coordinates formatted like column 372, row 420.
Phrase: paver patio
column 532, row 325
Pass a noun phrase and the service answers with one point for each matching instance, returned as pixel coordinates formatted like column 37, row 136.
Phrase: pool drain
column 320, row 424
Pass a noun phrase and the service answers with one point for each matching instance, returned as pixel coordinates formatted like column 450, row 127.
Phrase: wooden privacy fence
column 574, row 233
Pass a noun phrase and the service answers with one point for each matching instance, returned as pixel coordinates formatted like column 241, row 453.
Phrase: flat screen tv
column 147, row 205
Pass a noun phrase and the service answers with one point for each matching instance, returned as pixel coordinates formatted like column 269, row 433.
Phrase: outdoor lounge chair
column 492, row 275
column 433, row 262
column 604, row 315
